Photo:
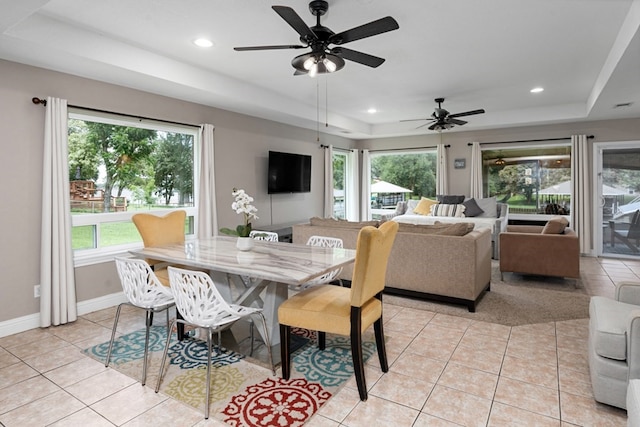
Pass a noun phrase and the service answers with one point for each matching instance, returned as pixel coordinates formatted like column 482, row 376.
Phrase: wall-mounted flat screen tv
column 289, row 173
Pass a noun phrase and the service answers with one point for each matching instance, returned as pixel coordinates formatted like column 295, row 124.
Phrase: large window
column 119, row 166
column 531, row 180
column 398, row 176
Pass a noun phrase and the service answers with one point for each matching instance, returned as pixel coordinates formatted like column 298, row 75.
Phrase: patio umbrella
column 387, row 187
column 565, row 188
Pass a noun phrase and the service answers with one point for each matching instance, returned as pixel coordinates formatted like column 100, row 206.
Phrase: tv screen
column 289, row 173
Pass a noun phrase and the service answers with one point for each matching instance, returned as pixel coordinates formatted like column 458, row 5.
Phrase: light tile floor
column 444, row 371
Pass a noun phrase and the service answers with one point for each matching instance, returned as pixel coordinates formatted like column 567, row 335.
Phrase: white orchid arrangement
column 242, row 205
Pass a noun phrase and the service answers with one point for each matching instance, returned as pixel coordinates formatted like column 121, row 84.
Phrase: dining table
column 260, row 277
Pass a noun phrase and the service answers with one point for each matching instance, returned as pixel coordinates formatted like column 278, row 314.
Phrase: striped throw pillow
column 443, row 209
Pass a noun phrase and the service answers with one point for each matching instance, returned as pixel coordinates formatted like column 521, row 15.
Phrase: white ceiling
column 476, row 54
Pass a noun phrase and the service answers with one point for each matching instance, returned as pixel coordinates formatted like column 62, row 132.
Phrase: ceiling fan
column 441, row 119
column 323, row 58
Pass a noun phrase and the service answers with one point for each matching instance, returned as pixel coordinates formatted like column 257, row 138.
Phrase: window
column 398, row 176
column 532, row 180
column 345, row 188
column 119, row 166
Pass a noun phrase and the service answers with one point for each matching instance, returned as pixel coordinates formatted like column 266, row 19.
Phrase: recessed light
column 202, row 42
column 537, row 90
column 372, row 110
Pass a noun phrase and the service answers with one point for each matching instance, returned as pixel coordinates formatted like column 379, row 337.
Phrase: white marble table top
column 288, row 263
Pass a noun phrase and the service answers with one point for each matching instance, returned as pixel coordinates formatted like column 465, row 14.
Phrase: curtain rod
column 408, row 149
column 346, row 150
column 37, row 101
column 529, row 140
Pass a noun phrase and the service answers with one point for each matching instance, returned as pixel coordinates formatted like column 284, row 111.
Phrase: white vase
column 244, row 243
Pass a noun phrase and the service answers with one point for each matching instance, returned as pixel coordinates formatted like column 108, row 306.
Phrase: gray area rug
column 518, row 300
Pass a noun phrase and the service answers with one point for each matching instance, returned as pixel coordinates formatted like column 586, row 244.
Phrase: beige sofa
column 425, row 262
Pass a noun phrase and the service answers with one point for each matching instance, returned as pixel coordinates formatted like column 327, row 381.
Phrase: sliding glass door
column 618, row 191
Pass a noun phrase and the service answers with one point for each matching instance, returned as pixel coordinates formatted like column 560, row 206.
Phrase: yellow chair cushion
column 424, row 206
column 160, row 230
column 326, row 308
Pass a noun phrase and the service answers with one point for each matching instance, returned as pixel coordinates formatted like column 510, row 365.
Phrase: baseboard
column 32, row 321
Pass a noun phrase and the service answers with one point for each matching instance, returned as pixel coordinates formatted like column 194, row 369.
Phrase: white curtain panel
column 57, row 280
column 352, row 198
column 442, row 172
column 476, row 171
column 581, row 199
column 328, row 181
column 365, row 200
column 207, row 213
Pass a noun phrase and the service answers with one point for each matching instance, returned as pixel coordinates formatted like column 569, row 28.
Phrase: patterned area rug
column 243, row 391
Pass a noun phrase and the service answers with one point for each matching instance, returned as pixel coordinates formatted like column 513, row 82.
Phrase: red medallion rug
column 243, row 391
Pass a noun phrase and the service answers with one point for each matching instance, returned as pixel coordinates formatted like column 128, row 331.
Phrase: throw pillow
column 555, row 225
column 340, row 223
column 472, row 208
column 424, row 207
column 450, row 200
column 422, row 228
column 490, row 207
column 411, row 205
column 442, row 209
column 401, row 208
column 457, row 229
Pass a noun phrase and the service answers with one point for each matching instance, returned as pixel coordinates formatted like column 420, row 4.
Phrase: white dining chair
column 143, row 290
column 268, row 236
column 201, row 305
column 326, row 242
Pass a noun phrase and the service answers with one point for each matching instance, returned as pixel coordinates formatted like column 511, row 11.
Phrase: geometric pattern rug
column 243, row 392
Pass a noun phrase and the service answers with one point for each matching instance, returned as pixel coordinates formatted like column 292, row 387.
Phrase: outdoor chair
column 629, row 236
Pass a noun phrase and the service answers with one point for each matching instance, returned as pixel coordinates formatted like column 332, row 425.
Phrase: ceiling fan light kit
column 324, row 59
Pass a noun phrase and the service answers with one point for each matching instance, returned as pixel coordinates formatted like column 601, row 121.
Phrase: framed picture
column 459, row 163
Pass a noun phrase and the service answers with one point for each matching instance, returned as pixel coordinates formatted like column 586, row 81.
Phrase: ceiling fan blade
column 467, row 113
column 434, row 126
column 293, row 19
column 455, row 121
column 360, row 57
column 421, row 126
column 413, row 120
column 299, row 73
column 373, row 28
column 284, row 46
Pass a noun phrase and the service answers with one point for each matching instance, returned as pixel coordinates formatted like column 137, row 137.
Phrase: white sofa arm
column 633, row 343
column 628, row 292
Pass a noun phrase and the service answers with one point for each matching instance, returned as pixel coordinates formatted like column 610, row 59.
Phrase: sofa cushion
column 489, row 206
column 610, row 319
column 401, row 208
column 457, row 229
column 472, row 208
column 439, row 228
column 442, row 209
column 450, row 200
column 555, row 225
column 424, row 206
column 332, row 222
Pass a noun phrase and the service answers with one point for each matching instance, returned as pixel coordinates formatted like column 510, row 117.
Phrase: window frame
column 90, row 256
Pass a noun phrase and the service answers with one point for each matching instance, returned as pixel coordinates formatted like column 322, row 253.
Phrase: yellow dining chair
column 160, row 230
column 345, row 311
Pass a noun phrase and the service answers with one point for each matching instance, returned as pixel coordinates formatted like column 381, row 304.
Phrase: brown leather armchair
column 526, row 249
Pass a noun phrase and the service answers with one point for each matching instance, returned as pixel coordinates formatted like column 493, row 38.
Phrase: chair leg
column 356, row 352
column 208, row 386
column 285, row 351
column 113, row 335
column 380, row 345
column 149, row 320
column 322, row 340
column 164, row 356
column 267, row 340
